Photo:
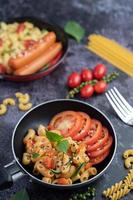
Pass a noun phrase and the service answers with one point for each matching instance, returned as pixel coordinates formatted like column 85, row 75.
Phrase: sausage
column 34, row 52
column 39, row 62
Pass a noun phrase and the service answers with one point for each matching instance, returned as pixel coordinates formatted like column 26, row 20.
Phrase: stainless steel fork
column 123, row 109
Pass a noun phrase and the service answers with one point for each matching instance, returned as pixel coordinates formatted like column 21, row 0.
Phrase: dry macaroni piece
column 24, row 101
column 9, row 101
column 23, row 105
column 128, row 156
column 54, row 165
column 3, row 109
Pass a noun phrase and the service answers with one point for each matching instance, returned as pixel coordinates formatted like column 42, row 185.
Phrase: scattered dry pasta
column 129, row 162
column 120, row 189
column 25, row 107
column 127, row 153
column 120, row 193
column 3, row 109
column 128, row 156
column 112, row 52
column 114, row 188
column 19, row 94
column 24, row 99
column 9, row 101
column 128, row 179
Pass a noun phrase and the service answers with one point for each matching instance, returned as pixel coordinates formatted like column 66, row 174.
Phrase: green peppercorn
column 75, row 197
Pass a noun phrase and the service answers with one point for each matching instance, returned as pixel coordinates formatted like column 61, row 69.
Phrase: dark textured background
column 109, row 17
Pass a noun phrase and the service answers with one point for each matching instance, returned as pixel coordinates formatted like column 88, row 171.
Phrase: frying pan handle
column 8, row 174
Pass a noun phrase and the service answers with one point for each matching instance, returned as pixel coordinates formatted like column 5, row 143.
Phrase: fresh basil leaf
column 63, row 146
column 55, row 171
column 78, row 170
column 53, row 137
column 35, row 155
column 20, row 195
column 75, row 30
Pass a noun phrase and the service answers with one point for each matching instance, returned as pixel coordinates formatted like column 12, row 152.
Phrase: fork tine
column 120, row 102
column 114, row 106
column 116, row 103
column 123, row 100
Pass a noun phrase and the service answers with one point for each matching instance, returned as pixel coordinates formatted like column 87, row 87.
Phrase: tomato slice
column 102, row 150
column 68, row 122
column 48, row 162
column 100, row 143
column 20, row 27
column 99, row 159
column 85, row 127
column 95, row 132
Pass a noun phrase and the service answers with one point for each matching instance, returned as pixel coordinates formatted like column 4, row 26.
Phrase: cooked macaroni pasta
column 14, row 39
column 55, row 166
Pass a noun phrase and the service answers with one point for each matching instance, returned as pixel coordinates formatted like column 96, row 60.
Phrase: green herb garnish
column 75, row 30
column 69, row 162
column 63, row 146
column 35, row 155
column 55, row 171
column 78, row 170
column 20, row 195
column 53, row 137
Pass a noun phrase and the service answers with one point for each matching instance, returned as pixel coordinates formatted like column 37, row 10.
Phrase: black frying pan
column 42, row 114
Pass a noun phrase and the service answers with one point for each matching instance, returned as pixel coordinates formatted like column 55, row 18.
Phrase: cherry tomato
column 100, row 142
column 85, row 127
column 20, row 28
column 102, row 150
column 29, row 43
column 1, row 42
column 55, row 60
column 87, row 91
column 86, row 75
column 2, row 69
column 68, row 122
column 99, row 71
column 74, row 80
column 100, row 87
column 99, row 159
column 95, row 132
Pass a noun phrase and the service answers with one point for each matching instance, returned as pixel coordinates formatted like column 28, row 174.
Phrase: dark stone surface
column 111, row 18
